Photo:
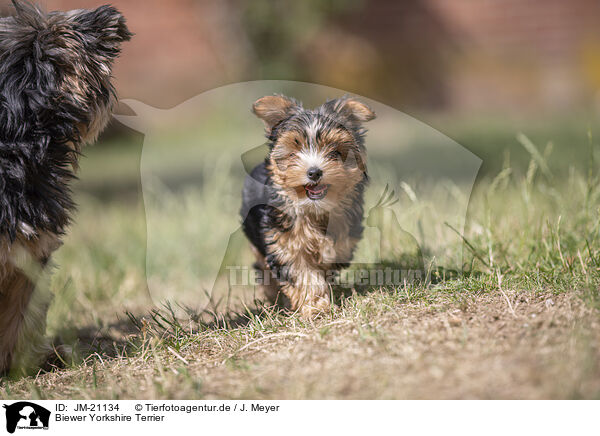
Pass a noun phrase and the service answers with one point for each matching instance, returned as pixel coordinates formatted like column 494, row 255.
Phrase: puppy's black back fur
column 255, row 206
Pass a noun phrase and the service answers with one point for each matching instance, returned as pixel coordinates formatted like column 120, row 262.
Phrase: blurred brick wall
column 524, row 54
column 482, row 54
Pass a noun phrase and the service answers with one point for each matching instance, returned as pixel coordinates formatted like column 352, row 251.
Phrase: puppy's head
column 317, row 157
column 55, row 71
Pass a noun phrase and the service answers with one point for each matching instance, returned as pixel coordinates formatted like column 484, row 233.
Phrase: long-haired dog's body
column 55, row 96
column 303, row 207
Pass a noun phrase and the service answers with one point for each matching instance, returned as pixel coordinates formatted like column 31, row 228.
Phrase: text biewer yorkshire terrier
column 303, row 207
column 55, row 95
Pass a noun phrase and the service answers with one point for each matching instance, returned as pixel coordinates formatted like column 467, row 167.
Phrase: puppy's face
column 63, row 60
column 317, row 158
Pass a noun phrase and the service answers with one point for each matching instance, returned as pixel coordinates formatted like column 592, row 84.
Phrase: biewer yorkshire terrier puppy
column 302, row 208
column 55, row 95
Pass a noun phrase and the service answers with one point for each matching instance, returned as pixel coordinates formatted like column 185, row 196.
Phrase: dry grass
column 381, row 345
column 523, row 322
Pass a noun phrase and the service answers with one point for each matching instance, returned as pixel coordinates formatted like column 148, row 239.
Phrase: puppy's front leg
column 308, row 291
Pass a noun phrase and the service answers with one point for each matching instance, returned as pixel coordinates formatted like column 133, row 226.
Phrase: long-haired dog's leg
column 24, row 300
column 23, row 307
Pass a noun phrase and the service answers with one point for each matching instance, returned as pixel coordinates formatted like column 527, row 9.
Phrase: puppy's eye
column 334, row 155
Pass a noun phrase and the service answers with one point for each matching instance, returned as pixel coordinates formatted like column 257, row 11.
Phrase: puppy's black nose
column 314, row 174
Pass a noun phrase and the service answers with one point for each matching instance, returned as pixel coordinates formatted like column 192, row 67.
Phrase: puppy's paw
column 58, row 356
column 315, row 307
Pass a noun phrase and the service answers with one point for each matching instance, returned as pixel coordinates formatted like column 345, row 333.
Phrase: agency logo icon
column 26, row 416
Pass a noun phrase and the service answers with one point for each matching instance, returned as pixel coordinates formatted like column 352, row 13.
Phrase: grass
column 521, row 322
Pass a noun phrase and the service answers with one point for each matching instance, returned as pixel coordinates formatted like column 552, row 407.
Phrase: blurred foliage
column 365, row 48
column 279, row 30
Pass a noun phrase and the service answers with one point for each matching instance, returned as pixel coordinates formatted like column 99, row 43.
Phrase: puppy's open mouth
column 316, row 192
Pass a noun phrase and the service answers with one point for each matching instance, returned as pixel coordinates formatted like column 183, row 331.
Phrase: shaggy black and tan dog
column 303, row 207
column 55, row 96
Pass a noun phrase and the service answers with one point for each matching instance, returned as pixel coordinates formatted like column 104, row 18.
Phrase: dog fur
column 303, row 207
column 55, row 96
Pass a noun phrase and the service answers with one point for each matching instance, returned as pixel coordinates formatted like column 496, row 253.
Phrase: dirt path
column 496, row 345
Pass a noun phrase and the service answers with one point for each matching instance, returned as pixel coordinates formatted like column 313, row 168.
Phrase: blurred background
column 417, row 55
column 481, row 72
column 456, row 56
column 478, row 71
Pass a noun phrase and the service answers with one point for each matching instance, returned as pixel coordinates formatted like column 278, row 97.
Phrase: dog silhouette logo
column 203, row 243
column 26, row 415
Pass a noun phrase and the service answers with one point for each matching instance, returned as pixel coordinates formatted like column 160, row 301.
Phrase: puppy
column 302, row 208
column 55, row 95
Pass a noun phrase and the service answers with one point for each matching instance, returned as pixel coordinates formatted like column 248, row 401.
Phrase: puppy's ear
column 353, row 109
column 105, row 27
column 275, row 108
